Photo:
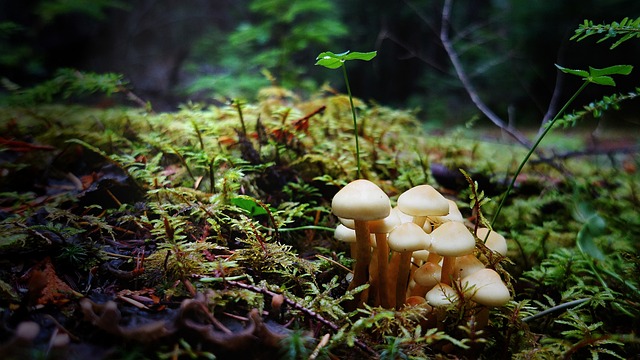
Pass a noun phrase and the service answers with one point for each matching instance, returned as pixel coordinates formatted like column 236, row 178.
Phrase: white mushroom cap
column 452, row 239
column 408, row 237
column 488, row 288
column 383, row 226
column 495, row 241
column 467, row 265
column 403, row 217
column 441, row 295
column 347, row 234
column 427, row 275
column 343, row 233
column 454, row 214
column 422, row 255
column 423, row 200
column 361, row 200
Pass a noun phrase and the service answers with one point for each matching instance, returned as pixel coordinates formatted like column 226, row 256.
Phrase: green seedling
column 334, row 61
column 592, row 76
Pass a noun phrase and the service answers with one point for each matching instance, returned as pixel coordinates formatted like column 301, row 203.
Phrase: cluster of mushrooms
column 413, row 253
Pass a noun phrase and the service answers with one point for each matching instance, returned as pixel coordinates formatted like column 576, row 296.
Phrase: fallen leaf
column 45, row 287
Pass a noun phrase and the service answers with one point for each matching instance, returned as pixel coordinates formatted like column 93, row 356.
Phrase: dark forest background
column 172, row 51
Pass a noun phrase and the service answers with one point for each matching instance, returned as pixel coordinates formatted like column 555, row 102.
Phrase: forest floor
column 208, row 233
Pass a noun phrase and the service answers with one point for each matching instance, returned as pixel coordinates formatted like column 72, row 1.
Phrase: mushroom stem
column 448, row 269
column 392, row 278
column 404, row 268
column 362, row 255
column 373, row 291
column 419, row 220
column 383, row 268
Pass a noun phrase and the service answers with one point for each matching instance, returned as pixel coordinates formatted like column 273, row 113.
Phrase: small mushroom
column 486, row 287
column 381, row 228
column 362, row 201
column 405, row 239
column 495, row 241
column 453, row 215
column 426, row 277
column 451, row 239
column 467, row 265
column 422, row 201
column 345, row 234
column 441, row 295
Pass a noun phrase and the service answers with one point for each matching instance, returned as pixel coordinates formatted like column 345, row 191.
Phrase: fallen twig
column 308, row 312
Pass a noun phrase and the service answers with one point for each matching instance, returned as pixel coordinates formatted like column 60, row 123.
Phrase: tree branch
column 466, row 82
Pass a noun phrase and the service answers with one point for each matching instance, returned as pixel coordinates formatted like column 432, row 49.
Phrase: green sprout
column 334, row 61
column 592, row 76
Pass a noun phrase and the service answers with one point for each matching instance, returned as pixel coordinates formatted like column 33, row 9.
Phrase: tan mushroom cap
column 403, row 217
column 488, row 288
column 453, row 215
column 467, row 265
column 495, row 241
column 423, row 200
column 343, row 233
column 361, row 200
column 379, row 226
column 422, row 255
column 452, row 239
column 386, row 225
column 408, row 237
column 427, row 275
column 348, row 235
column 441, row 295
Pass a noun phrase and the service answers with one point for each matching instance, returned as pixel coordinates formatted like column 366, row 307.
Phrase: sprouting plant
column 592, row 76
column 477, row 200
column 588, row 335
column 68, row 83
column 392, row 350
column 295, row 346
column 74, row 254
column 627, row 28
column 334, row 61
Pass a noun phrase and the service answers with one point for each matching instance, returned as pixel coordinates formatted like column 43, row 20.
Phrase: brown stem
column 363, row 256
column 448, row 267
column 404, row 267
column 383, row 269
column 374, row 281
column 392, row 278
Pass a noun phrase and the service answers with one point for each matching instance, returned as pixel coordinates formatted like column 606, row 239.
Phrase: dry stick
column 466, row 82
column 308, row 312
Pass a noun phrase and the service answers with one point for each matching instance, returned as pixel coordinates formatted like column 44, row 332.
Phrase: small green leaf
column 366, row 56
column 249, row 205
column 593, row 227
column 330, row 62
column 333, row 61
column 611, row 70
column 582, row 73
column 602, row 80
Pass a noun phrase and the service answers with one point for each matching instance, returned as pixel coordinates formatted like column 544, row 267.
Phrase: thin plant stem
column 556, row 308
column 239, row 108
column 355, row 123
column 532, row 150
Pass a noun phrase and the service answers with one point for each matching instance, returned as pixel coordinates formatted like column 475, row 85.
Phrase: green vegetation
column 334, row 61
column 208, row 233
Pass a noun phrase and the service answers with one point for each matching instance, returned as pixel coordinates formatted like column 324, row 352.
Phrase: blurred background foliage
column 172, row 51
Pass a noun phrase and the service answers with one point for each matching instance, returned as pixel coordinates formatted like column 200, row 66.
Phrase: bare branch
column 466, row 82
